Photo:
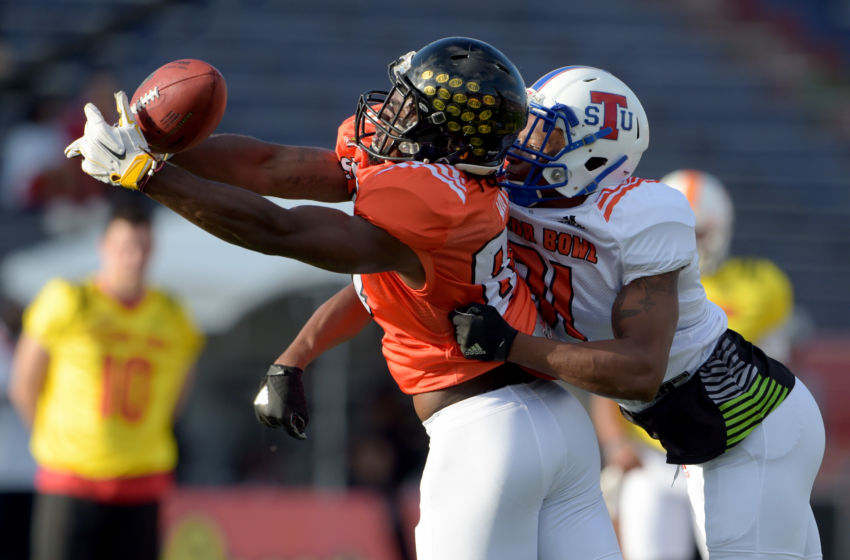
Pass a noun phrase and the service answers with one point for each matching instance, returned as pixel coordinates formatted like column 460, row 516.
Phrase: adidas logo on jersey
column 571, row 221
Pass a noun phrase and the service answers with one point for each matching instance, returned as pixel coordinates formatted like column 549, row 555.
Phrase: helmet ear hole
column 595, row 163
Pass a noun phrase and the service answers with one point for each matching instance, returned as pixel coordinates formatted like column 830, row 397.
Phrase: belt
column 671, row 384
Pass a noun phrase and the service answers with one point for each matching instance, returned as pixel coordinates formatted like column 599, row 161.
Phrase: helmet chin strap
column 477, row 169
column 472, row 168
column 527, row 197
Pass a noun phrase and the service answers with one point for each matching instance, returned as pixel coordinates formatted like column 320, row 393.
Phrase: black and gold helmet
column 457, row 100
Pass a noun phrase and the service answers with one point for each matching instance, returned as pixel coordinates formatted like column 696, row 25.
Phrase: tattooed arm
column 629, row 366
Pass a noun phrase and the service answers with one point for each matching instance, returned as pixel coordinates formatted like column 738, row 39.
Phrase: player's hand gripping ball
column 179, row 104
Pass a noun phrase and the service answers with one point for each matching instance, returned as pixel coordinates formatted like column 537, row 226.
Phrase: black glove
column 482, row 333
column 281, row 402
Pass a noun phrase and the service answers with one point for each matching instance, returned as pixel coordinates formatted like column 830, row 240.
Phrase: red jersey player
column 513, row 470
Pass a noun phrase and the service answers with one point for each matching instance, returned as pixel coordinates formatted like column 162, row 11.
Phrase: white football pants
column 753, row 501
column 513, row 474
column 654, row 512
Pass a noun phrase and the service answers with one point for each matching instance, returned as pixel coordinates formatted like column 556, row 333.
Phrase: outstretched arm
column 629, row 366
column 323, row 237
column 268, row 169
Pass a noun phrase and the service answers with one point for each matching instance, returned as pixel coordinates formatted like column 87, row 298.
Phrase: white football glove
column 117, row 155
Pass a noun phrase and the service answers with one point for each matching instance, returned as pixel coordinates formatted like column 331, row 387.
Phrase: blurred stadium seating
column 294, row 71
column 737, row 88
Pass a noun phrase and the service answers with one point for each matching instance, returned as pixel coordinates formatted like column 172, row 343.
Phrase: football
column 179, row 104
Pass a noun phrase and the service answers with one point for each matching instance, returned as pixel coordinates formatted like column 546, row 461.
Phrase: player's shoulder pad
column 75, row 293
column 417, row 203
column 639, row 203
column 346, row 145
column 437, row 186
column 59, row 301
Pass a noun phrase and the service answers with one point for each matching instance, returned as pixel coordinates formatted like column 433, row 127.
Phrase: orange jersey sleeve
column 349, row 155
column 456, row 225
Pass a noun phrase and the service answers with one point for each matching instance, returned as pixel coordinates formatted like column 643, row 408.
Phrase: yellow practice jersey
column 756, row 296
column 115, row 374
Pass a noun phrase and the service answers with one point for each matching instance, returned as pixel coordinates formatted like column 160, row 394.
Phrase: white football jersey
column 576, row 260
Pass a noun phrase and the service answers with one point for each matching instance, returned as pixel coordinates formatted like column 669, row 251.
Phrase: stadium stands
column 294, row 71
column 707, row 75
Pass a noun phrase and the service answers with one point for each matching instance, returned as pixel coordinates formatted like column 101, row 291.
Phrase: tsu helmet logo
column 614, row 113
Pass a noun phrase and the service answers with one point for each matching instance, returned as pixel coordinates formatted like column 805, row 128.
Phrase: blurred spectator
column 100, row 370
column 33, row 156
column 17, row 467
column 37, row 177
column 7, row 62
column 99, row 89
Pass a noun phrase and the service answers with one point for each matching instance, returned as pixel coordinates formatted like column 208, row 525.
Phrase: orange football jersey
column 456, row 225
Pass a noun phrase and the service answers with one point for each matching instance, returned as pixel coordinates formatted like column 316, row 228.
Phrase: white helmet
column 605, row 132
column 714, row 212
